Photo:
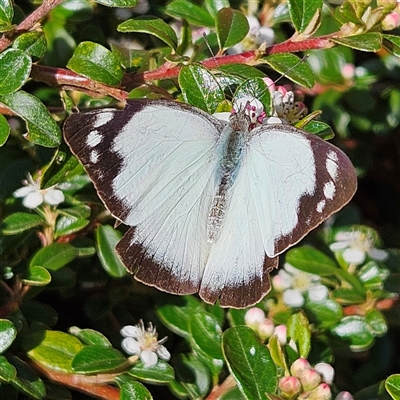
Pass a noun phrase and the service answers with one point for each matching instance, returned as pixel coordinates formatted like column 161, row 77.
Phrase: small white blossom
column 143, row 343
column 356, row 245
column 295, row 284
column 33, row 196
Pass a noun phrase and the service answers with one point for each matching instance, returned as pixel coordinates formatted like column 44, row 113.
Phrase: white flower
column 33, row 196
column 326, row 371
column 356, row 245
column 295, row 284
column 143, row 342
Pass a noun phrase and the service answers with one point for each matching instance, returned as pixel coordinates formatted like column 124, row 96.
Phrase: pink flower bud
column 265, row 329
column 326, row 371
column 289, row 386
column 348, row 71
column 254, row 317
column 270, row 84
column 299, row 366
column 344, row 396
column 322, row 392
column 391, row 21
column 310, row 379
column 280, row 331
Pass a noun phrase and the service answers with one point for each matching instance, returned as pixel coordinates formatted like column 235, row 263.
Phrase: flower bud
column 322, row 392
column 265, row 329
column 299, row 366
column 344, row 396
column 289, row 386
column 280, row 332
column 254, row 317
column 310, row 379
column 391, row 21
column 326, row 371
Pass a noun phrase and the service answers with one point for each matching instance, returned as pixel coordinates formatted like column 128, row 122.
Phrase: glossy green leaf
column 376, row 322
column 200, row 88
column 392, row 385
column 7, row 370
column 31, row 43
column 302, row 13
column 35, row 311
column 315, row 262
column 118, row 3
column 15, row 68
column 250, row 362
column 106, row 239
column 89, row 336
column 206, row 334
column 27, row 381
column 42, row 129
column 324, row 313
column 213, row 6
column 347, row 296
column 256, row 88
column 158, row 374
column 299, row 330
column 191, row 12
column 4, row 130
column 292, row 67
column 68, row 224
column 134, row 390
column 7, row 334
column 392, row 44
column 241, row 70
column 233, row 394
column 6, row 15
column 36, row 276
column 321, row 129
column 97, row 359
column 370, row 41
column 53, row 349
column 96, row 62
column 232, row 27
column 153, row 26
column 54, row 256
column 354, row 331
column 20, row 222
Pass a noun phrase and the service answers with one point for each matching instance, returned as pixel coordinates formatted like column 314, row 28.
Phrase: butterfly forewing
column 157, row 167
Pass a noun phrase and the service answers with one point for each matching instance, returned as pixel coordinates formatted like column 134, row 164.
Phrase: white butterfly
column 210, row 206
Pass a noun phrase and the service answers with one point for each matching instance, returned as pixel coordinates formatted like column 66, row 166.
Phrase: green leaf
column 26, row 380
column 232, row 27
column 213, row 6
column 134, row 390
column 321, row 129
column 118, row 3
column 392, row 44
column 292, row 67
column 200, row 88
column 153, row 26
column 315, row 262
column 31, row 43
column 250, row 362
column 302, row 13
column 53, row 349
column 20, row 222
column 185, row 9
column 35, row 311
column 392, row 385
column 36, row 276
column 206, row 334
column 6, row 15
column 96, row 62
column 158, row 374
column 4, row 130
column 7, row 370
column 371, row 41
column 89, row 336
column 354, row 331
column 256, row 88
column 67, row 224
column 54, row 256
column 7, row 334
column 347, row 296
column 299, row 330
column 97, row 359
column 15, row 68
column 106, row 239
column 42, row 129
column 324, row 313
column 376, row 323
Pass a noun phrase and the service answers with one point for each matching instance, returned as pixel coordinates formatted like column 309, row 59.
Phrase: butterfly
column 210, row 206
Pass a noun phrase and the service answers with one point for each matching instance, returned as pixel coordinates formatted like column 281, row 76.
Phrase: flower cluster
column 296, row 285
column 33, row 196
column 144, row 343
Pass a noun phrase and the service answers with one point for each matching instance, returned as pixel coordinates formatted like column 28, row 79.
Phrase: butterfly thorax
column 235, row 136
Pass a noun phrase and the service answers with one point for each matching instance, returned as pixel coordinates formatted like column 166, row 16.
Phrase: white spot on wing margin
column 93, row 139
column 329, row 190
